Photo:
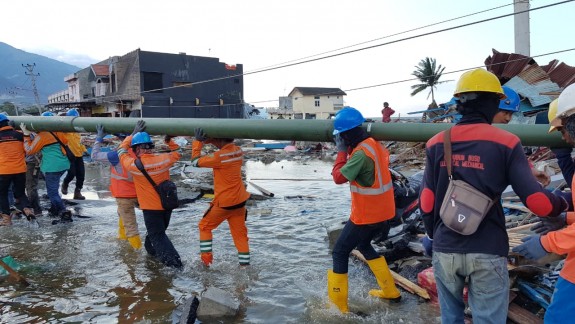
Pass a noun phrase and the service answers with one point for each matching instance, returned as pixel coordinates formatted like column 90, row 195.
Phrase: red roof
column 100, row 70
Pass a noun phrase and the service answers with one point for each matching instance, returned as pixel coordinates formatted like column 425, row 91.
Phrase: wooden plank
column 14, row 274
column 399, row 280
column 520, row 315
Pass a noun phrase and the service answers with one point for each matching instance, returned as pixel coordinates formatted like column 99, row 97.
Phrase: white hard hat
column 565, row 105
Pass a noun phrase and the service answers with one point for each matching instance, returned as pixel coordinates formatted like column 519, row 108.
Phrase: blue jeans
column 562, row 306
column 157, row 243
column 488, row 286
column 354, row 236
column 52, row 187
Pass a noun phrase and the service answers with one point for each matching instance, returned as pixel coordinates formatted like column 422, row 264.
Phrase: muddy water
column 80, row 272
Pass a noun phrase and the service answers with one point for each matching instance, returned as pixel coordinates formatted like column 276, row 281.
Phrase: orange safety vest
column 373, row 204
column 121, row 184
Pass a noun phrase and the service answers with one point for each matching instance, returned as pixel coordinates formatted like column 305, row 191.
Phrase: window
column 153, row 82
column 317, row 103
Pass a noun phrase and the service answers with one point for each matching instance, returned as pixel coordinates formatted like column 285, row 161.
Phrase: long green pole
column 273, row 129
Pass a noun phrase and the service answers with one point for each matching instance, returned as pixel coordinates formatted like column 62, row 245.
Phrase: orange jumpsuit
column 230, row 196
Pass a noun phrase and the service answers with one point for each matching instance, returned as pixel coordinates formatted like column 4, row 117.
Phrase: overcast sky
column 264, row 33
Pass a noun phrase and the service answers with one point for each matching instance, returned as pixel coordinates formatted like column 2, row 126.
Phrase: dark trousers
column 354, row 236
column 32, row 175
column 18, row 181
column 157, row 243
column 76, row 170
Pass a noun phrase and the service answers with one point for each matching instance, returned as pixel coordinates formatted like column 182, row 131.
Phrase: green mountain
column 16, row 86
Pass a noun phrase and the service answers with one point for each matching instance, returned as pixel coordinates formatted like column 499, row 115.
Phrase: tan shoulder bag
column 463, row 207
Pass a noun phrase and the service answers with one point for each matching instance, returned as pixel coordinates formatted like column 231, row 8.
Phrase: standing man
column 157, row 165
column 77, row 169
column 555, row 237
column 488, row 159
column 122, row 188
column 12, row 171
column 230, row 195
column 364, row 163
column 386, row 112
column 54, row 163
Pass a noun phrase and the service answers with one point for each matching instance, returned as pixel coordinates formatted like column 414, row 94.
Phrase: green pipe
column 273, row 129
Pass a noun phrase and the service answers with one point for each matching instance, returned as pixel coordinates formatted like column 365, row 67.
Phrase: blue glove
column 531, row 248
column 200, row 135
column 427, row 245
column 550, row 224
column 100, row 133
column 340, row 143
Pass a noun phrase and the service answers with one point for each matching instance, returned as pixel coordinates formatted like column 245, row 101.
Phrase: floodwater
column 81, row 272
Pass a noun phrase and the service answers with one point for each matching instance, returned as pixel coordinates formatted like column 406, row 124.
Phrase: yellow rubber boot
column 337, row 289
column 135, row 242
column 121, row 230
column 384, row 280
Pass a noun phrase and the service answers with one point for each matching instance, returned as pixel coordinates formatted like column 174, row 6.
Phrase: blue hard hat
column 3, row 118
column 47, row 114
column 141, row 138
column 346, row 119
column 511, row 103
column 72, row 112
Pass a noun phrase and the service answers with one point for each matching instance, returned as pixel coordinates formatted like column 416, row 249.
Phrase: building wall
column 329, row 105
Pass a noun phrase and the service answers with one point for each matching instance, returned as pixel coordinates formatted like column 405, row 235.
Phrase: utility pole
column 33, row 76
column 521, row 23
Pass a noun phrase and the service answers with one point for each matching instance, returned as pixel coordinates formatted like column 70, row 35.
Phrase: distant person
column 12, row 172
column 122, row 188
column 230, row 195
column 556, row 234
column 507, row 107
column 54, row 164
column 489, row 159
column 364, row 163
column 157, row 165
column 77, row 169
column 386, row 112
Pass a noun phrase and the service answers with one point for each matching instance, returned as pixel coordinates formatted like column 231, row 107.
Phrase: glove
column 140, row 126
column 550, row 224
column 200, row 135
column 427, row 245
column 531, row 248
column 340, row 144
column 168, row 138
column 25, row 130
column 100, row 133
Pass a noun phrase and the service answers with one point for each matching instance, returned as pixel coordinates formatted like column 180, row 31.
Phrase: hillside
column 16, row 86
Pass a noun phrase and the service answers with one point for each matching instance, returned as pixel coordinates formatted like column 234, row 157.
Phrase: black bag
column 167, row 190
column 71, row 157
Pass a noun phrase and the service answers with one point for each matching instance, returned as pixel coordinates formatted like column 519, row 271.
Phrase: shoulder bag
column 167, row 190
column 71, row 157
column 463, row 207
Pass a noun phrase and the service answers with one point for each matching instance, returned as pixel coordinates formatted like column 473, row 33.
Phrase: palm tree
column 429, row 74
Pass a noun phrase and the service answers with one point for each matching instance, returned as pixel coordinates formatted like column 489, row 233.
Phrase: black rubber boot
column 66, row 217
column 78, row 195
column 64, row 188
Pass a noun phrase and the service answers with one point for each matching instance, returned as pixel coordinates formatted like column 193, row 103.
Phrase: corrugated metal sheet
column 533, row 91
column 563, row 75
column 533, row 74
column 517, row 63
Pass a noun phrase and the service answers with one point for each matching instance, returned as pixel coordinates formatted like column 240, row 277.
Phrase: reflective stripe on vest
column 372, row 191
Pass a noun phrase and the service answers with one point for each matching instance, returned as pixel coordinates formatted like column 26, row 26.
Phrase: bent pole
column 272, row 129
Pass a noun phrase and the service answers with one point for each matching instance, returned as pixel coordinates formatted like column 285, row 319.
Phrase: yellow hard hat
column 478, row 80
column 551, row 114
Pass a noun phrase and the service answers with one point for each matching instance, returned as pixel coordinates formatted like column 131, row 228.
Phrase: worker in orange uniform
column 77, row 169
column 555, row 234
column 12, row 171
column 54, row 164
column 122, row 188
column 364, row 163
column 157, row 165
column 230, row 195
